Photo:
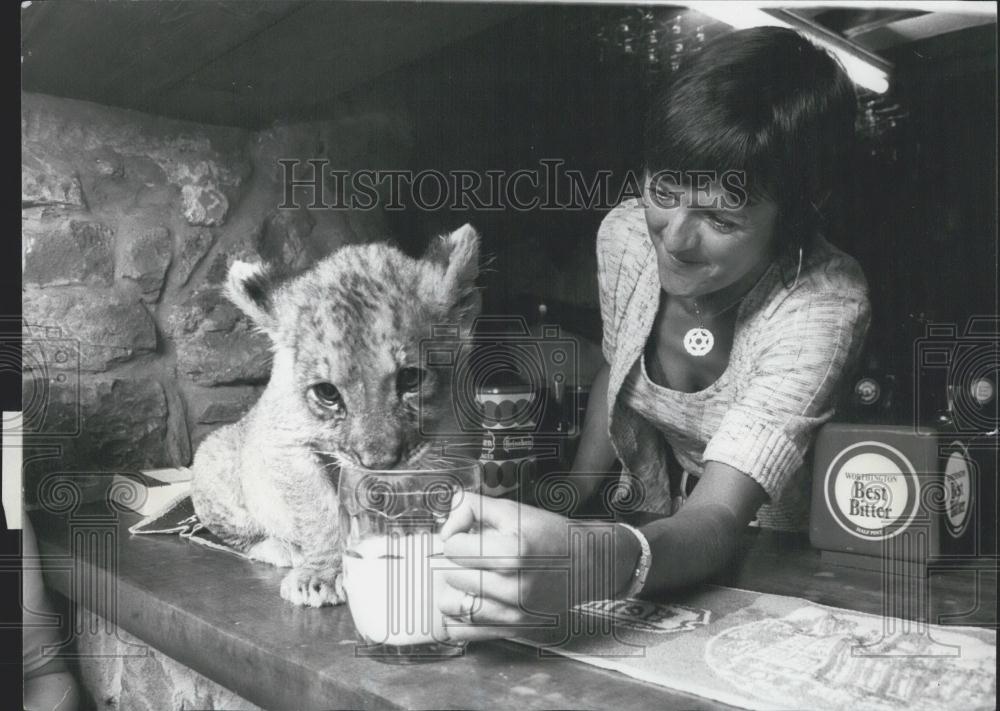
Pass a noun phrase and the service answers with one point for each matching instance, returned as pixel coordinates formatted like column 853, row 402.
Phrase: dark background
column 923, row 222
column 499, row 87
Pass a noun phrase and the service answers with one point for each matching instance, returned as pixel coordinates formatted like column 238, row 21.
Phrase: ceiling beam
column 914, row 29
column 110, row 51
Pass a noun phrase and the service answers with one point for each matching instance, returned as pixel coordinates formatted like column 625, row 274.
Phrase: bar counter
column 222, row 616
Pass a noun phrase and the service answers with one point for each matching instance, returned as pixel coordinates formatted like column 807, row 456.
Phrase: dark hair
column 765, row 101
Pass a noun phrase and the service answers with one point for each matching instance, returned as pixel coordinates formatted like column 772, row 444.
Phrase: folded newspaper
column 163, row 498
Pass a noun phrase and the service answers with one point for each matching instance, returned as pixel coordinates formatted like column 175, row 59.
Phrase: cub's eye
column 326, row 395
column 408, row 380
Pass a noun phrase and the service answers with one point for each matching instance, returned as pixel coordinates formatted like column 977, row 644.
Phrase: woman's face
column 700, row 250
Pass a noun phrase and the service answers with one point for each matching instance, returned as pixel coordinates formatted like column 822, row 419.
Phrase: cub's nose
column 380, row 460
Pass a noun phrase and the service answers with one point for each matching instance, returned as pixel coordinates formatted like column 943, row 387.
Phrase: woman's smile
column 686, row 262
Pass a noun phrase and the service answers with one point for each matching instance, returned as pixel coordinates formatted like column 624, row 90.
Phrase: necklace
column 699, row 341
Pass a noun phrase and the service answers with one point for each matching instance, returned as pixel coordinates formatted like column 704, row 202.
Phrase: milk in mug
column 390, row 583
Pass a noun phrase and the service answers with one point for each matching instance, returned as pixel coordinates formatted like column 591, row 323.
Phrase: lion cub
column 345, row 386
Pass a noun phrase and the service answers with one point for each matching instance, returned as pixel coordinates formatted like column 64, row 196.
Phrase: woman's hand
column 522, row 568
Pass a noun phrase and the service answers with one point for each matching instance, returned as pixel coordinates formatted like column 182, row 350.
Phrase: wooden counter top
column 222, row 616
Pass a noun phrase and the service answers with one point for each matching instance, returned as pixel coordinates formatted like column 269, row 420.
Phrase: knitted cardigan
column 790, row 349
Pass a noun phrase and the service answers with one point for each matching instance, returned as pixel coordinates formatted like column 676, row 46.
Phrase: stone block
column 145, row 258
column 194, row 246
column 48, row 180
column 107, row 162
column 157, row 196
column 216, row 344
column 285, row 239
column 208, row 165
column 120, row 424
column 246, row 248
column 144, row 170
column 67, row 251
column 204, row 205
column 218, row 268
column 96, row 327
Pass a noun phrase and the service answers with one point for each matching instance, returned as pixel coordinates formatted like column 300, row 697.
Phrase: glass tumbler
column 390, row 521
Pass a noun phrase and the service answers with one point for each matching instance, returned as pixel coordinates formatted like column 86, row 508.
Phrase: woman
column 48, row 683
column 728, row 322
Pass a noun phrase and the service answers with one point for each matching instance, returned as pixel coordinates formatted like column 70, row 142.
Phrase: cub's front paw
column 313, row 587
column 273, row 551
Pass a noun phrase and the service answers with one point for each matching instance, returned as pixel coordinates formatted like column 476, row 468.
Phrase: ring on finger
column 467, row 605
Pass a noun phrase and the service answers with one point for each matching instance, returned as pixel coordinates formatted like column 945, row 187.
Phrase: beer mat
column 178, row 517
column 761, row 651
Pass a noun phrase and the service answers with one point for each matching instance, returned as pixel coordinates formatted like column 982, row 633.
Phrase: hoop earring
column 798, row 272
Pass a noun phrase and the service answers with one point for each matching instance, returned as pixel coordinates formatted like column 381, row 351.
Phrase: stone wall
column 120, row 672
column 129, row 223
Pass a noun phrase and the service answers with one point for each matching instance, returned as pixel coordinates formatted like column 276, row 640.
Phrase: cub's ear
column 250, row 287
column 458, row 252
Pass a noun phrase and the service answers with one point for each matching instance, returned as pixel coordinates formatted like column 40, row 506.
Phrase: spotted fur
column 266, row 485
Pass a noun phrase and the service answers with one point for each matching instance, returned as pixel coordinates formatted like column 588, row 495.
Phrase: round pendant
column 699, row 341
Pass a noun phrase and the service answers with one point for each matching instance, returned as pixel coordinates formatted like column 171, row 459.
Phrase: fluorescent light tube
column 741, row 15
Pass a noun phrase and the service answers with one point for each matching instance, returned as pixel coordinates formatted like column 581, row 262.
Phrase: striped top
column 790, row 348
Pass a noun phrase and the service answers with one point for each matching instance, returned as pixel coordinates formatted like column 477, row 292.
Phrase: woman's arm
column 703, row 536
column 595, row 454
